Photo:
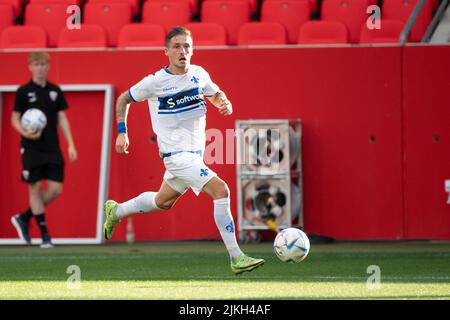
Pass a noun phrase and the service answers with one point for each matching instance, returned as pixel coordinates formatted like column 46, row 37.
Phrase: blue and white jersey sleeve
column 143, row 90
column 210, row 88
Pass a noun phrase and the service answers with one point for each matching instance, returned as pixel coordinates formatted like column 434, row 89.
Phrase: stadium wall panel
column 426, row 108
column 355, row 118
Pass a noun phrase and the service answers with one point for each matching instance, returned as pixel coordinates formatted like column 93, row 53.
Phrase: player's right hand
column 32, row 135
column 225, row 107
column 122, row 143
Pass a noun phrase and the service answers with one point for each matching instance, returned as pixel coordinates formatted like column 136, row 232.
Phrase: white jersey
column 177, row 107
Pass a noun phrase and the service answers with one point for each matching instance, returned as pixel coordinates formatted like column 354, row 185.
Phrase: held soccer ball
column 33, row 120
column 291, row 245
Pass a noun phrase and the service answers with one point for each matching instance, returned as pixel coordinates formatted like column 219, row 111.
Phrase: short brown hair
column 38, row 56
column 176, row 31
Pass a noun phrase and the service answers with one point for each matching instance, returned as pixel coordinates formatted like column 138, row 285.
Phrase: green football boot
column 111, row 219
column 245, row 263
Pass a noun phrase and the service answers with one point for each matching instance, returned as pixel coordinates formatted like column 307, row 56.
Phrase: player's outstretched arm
column 222, row 103
column 122, row 106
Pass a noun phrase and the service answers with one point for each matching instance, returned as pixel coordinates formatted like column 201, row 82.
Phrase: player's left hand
column 72, row 154
column 225, row 107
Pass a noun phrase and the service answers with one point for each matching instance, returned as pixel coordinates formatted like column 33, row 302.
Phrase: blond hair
column 38, row 56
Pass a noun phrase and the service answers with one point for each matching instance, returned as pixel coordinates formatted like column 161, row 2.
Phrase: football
column 291, row 245
column 33, row 120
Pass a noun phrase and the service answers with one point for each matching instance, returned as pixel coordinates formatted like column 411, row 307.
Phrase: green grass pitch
column 200, row 270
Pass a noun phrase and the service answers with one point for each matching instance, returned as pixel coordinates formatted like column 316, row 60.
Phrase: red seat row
column 231, row 14
column 205, row 34
column 135, row 4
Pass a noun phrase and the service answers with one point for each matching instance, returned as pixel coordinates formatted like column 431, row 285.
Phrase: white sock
column 225, row 224
column 143, row 203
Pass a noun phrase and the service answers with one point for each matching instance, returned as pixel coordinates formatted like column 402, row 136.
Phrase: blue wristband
column 121, row 127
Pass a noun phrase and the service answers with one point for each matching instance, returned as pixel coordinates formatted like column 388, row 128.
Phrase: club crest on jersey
column 53, row 95
column 203, row 172
column 195, row 80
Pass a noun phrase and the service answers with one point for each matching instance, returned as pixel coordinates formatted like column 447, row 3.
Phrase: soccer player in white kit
column 175, row 96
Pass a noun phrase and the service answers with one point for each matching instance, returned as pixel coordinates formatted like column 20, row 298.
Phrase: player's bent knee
column 164, row 205
column 222, row 192
column 217, row 189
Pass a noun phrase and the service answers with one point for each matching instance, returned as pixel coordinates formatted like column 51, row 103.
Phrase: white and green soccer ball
column 291, row 245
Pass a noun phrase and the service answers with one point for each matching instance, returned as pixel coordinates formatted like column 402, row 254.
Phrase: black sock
column 26, row 216
column 40, row 219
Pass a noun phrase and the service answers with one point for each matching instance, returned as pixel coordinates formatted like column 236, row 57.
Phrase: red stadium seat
column 207, row 34
column 89, row 36
column 21, row 37
column 389, row 33
column 52, row 17
column 435, row 4
column 402, row 9
column 141, row 35
column 6, row 16
column 231, row 14
column 16, row 6
column 111, row 16
column 262, row 33
column 323, row 32
column 166, row 13
column 66, row 2
column 133, row 3
column 193, row 4
column 350, row 12
column 291, row 13
column 253, row 5
column 312, row 4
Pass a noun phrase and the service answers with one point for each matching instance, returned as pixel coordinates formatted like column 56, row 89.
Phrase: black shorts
column 37, row 166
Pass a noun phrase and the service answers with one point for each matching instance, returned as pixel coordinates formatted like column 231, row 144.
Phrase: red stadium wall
column 426, row 136
column 371, row 169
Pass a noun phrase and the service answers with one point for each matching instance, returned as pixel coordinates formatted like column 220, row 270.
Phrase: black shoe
column 22, row 228
column 46, row 241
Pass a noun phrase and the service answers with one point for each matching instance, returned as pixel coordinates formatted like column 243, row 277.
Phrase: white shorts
column 184, row 170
